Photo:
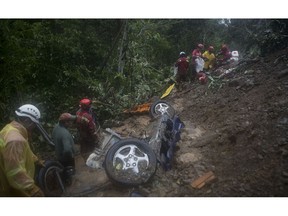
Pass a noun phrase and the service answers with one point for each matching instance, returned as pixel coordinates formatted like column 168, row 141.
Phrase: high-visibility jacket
column 16, row 162
column 210, row 59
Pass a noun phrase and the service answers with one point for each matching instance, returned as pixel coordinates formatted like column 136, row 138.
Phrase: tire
column 160, row 107
column 130, row 162
column 50, row 179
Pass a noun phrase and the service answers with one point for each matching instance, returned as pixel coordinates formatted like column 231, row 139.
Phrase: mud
column 235, row 127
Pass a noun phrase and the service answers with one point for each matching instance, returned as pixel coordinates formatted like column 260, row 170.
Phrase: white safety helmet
column 29, row 111
column 182, row 53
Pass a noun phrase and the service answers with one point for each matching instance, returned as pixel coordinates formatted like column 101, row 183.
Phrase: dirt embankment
column 236, row 133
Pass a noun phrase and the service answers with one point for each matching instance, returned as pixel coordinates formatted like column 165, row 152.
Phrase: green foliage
column 254, row 37
column 215, row 83
column 117, row 63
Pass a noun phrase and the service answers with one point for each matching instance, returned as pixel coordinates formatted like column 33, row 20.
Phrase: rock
column 285, row 174
column 233, row 83
column 188, row 158
column 249, row 72
column 282, row 73
column 260, row 157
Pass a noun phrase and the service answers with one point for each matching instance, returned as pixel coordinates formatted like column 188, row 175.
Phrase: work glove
column 34, row 192
column 40, row 163
column 38, row 193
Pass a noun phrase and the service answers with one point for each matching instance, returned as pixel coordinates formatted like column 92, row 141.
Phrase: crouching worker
column 64, row 145
column 17, row 161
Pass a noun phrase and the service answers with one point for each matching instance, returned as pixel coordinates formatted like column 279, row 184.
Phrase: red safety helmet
column 201, row 46
column 224, row 47
column 85, row 103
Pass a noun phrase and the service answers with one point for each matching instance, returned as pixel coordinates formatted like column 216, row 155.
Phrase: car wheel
column 130, row 162
column 158, row 108
column 50, row 179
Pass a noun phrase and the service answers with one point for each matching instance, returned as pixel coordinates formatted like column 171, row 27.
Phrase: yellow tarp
column 144, row 108
column 168, row 90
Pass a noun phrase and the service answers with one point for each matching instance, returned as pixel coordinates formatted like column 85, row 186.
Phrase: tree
column 54, row 63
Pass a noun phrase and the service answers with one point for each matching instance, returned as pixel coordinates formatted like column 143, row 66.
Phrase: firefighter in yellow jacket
column 209, row 58
column 16, row 157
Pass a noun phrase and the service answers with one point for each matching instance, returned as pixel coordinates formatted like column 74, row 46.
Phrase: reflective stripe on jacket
column 17, row 167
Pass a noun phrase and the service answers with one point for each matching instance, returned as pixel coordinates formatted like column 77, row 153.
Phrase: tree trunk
column 122, row 48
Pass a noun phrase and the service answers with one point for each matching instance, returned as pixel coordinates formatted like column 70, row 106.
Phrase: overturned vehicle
column 133, row 161
column 127, row 161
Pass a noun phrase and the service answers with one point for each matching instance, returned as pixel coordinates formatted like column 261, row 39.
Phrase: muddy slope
column 235, row 128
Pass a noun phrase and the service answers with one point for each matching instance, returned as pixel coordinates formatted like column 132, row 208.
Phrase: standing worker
column 88, row 137
column 198, row 62
column 209, row 58
column 64, row 144
column 17, row 168
column 182, row 65
column 224, row 55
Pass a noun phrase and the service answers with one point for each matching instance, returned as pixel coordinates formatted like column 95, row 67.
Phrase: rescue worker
column 198, row 64
column 17, row 161
column 197, row 52
column 209, row 58
column 224, row 55
column 182, row 65
column 64, row 143
column 88, row 137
